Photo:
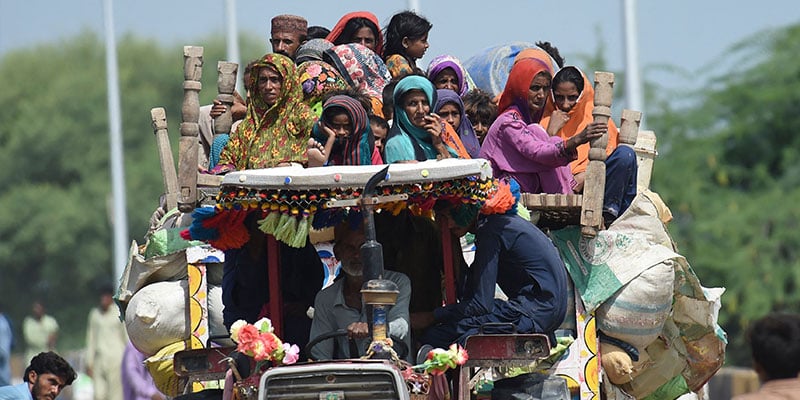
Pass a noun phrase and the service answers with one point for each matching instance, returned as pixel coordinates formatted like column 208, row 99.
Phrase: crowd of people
column 355, row 95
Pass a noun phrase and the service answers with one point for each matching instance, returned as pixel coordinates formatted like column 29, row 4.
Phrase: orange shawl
column 579, row 117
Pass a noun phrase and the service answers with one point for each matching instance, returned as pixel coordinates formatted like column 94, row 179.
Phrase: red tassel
column 232, row 232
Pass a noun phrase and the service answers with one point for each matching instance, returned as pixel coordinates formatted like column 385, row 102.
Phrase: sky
column 688, row 34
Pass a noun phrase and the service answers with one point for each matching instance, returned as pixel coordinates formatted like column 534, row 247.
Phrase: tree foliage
column 728, row 168
column 55, row 209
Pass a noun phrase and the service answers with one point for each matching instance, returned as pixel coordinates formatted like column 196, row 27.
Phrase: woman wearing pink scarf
column 518, row 147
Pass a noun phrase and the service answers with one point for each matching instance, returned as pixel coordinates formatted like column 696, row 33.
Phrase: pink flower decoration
column 291, row 353
column 314, row 70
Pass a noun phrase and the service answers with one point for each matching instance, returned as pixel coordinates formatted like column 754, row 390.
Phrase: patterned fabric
column 290, row 23
column 406, row 141
column 517, row 86
column 518, row 147
column 318, row 78
column 358, row 148
column 399, row 66
column 339, row 28
column 269, row 136
column 490, row 67
column 443, row 62
column 311, row 50
column 363, row 68
column 579, row 117
column 465, row 131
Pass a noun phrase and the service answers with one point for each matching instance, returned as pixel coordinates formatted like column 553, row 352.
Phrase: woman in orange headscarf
column 570, row 113
column 517, row 146
column 358, row 27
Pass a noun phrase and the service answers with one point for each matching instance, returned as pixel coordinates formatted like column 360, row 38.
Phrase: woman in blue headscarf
column 451, row 109
column 417, row 134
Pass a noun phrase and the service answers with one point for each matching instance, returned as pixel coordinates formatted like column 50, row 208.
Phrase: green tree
column 728, row 169
column 54, row 211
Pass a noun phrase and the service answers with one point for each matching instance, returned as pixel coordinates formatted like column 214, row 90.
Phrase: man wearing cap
column 288, row 33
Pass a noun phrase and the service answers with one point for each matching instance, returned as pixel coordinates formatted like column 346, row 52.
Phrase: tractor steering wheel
column 400, row 346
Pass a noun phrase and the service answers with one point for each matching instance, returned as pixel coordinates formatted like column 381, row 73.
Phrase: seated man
column 516, row 255
column 46, row 376
column 339, row 306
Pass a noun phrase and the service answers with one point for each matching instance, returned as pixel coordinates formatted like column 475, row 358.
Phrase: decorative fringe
column 501, row 201
column 286, row 228
column 269, row 224
column 231, row 224
column 464, row 214
column 198, row 230
column 301, row 234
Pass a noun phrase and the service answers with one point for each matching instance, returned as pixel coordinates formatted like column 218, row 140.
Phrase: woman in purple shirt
column 518, row 147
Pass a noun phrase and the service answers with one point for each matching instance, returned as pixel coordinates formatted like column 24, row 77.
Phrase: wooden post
column 447, row 260
column 593, row 189
column 629, row 127
column 159, row 117
column 190, row 129
column 274, row 277
column 645, row 155
column 226, row 84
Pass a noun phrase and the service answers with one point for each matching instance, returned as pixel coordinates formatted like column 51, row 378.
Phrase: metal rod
column 371, row 250
column 119, row 219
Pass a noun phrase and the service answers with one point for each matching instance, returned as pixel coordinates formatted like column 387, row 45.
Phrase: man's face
column 348, row 250
column 285, row 43
column 45, row 386
column 106, row 300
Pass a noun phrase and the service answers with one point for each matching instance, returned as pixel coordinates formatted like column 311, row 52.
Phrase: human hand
column 592, row 131
column 217, row 109
column 580, row 179
column 434, row 125
column 328, row 131
column 557, row 121
column 358, row 330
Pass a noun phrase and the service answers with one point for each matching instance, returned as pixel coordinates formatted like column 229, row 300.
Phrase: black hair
column 352, row 27
column 775, row 344
column 351, row 92
column 388, row 96
column 51, row 363
column 106, row 288
column 379, row 121
column 249, row 68
column 405, row 24
column 568, row 74
column 478, row 106
column 553, row 52
column 317, row 32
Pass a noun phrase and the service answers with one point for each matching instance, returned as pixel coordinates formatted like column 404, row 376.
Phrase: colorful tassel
column 231, row 225
column 301, row 234
column 269, row 224
column 287, row 228
column 198, row 230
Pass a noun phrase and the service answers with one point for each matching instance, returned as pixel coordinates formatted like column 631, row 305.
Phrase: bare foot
column 316, row 154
